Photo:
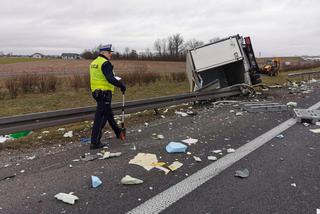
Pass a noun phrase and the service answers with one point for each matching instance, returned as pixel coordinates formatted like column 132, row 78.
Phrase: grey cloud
column 277, row 27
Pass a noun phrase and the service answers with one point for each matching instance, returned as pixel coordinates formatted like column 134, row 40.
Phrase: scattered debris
column 134, row 148
column 61, row 129
column 95, row 181
column 45, row 132
column 316, row 131
column 67, row 198
column 197, row 159
column 139, row 130
column 106, row 155
column 232, row 111
column 188, row 153
column 68, row 134
column 175, row 165
column 292, row 104
column 242, row 173
column 145, row 160
column 31, row 157
column 128, row 180
column 88, row 157
column 294, row 184
column 18, row 135
column 190, row 141
column 76, row 160
column 217, row 151
column 231, row 150
column 239, row 113
column 191, row 113
column 175, row 147
column 146, row 124
column 280, row 136
column 182, row 114
column 306, row 124
column 212, row 158
column 4, row 138
column 22, row 171
column 157, row 136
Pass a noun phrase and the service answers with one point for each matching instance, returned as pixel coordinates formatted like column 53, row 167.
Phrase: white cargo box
column 214, row 55
column 221, row 64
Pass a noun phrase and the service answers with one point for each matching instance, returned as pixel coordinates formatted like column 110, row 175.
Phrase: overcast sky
column 276, row 27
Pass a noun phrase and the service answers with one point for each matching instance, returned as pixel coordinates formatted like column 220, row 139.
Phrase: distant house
column 311, row 58
column 70, row 56
column 37, row 55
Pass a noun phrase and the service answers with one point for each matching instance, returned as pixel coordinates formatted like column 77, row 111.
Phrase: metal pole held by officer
column 103, row 82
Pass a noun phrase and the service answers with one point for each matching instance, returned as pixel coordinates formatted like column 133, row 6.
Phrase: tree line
column 172, row 48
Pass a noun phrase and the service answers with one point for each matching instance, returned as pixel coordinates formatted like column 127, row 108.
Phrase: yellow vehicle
column 271, row 67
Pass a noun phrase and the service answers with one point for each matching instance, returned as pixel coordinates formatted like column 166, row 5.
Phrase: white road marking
column 166, row 198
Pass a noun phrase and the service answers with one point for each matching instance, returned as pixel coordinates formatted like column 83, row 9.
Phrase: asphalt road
column 274, row 168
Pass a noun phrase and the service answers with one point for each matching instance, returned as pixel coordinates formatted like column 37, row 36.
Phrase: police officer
column 102, row 82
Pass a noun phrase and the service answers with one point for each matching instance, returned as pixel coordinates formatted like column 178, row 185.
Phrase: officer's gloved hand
column 123, row 88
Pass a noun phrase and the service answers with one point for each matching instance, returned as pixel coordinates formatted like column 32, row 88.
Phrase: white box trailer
column 223, row 63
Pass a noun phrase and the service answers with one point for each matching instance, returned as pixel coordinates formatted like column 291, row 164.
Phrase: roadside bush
column 47, row 83
column 12, row 84
column 2, row 93
column 178, row 76
column 86, row 81
column 140, row 75
column 75, row 81
column 27, row 82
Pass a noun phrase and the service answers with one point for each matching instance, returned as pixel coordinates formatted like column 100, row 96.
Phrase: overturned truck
column 222, row 63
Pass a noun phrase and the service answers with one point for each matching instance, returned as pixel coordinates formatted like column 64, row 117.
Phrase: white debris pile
column 242, row 173
column 106, row 154
column 128, row 180
column 197, row 159
column 292, row 104
column 68, row 134
column 4, row 138
column 67, row 198
column 175, row 165
column 212, row 158
column 145, row 160
column 316, row 131
column 190, row 141
column 157, row 136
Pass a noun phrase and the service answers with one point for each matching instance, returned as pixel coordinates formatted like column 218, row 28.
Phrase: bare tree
column 175, row 44
column 127, row 51
column 164, row 46
column 193, row 43
column 157, row 46
column 214, row 39
column 170, row 46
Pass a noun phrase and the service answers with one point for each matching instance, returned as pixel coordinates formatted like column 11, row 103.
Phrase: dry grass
column 47, row 83
column 12, row 85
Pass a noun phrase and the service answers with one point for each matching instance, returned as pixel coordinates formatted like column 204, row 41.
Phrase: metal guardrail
column 53, row 118
column 309, row 74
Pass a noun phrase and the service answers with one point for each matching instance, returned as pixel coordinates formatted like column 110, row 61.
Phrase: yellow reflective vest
column 97, row 78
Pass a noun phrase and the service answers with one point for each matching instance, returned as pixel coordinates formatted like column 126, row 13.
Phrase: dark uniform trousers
column 103, row 114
